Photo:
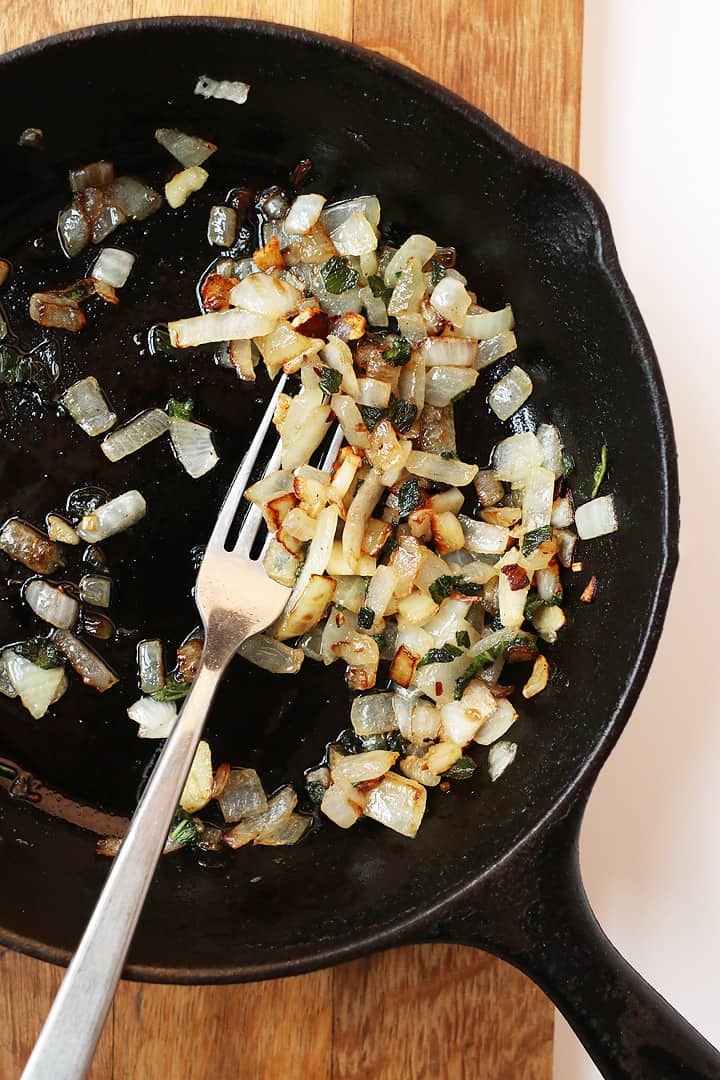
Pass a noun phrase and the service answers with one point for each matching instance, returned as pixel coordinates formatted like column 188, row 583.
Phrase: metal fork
column 235, row 599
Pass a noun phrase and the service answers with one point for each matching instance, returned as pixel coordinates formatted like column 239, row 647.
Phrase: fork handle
column 71, row 1032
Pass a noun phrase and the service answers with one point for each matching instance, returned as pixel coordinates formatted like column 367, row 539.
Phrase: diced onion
column 222, row 226
column 242, row 794
column 373, row 714
column 113, row 266
column 397, row 802
column 338, row 356
column 266, row 295
column 38, row 688
column 342, row 803
column 500, row 756
column 510, row 392
column 355, row 236
column 193, row 445
column 408, row 291
column 334, row 215
column 271, row 655
column 596, row 518
column 223, row 89
column 155, row 719
column 495, row 348
column 151, row 665
column 187, row 149
column 483, row 538
column 95, row 589
column 515, row 456
column 375, row 308
column 418, row 247
column 358, row 768
column 86, row 403
column 61, row 531
column 30, row 547
column 447, row 352
column 537, row 498
column 112, row 517
column 444, row 384
column 442, row 470
column 251, row 828
column 179, row 189
column 92, row 670
column 218, row 326
column 487, row 324
column 451, row 299
column 52, row 604
column 199, row 784
column 549, row 438
column 303, row 214
column 133, row 198
column 350, row 420
column 125, row 440
column 96, row 175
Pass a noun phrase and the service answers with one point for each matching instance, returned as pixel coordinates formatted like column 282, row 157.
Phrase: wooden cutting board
column 416, row 1013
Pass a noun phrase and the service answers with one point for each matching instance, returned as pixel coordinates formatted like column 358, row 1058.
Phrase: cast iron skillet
column 493, row 866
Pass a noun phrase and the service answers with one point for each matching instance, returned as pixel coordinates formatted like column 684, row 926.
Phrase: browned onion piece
column 26, row 545
column 90, row 667
column 97, row 174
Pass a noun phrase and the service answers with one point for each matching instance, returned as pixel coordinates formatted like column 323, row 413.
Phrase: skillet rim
column 416, row 926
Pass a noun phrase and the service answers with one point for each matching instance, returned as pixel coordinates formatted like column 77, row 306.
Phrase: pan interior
column 524, row 233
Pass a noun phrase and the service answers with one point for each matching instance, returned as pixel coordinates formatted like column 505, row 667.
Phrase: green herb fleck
column 489, row 656
column 378, row 288
column 179, row 410
column 449, row 455
column 350, row 742
column 535, row 537
column 447, row 584
column 374, row 742
column 371, row 416
column 365, row 618
column 463, row 769
column 183, row 830
column 437, row 272
column 14, row 367
column 330, row 380
column 171, row 691
column 442, row 655
column 398, row 353
column 389, row 546
column 463, row 639
column 401, row 414
column 79, row 291
column 315, row 791
column 599, row 472
column 408, row 497
column 338, row 276
column 41, row 652
column 533, row 603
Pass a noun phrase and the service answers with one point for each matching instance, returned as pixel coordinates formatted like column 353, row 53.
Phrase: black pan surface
column 527, row 230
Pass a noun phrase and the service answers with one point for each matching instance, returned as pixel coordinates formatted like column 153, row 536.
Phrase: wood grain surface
column 416, row 1013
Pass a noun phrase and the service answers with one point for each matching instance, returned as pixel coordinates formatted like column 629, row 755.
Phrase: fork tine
column 333, row 450
column 254, row 516
column 237, row 488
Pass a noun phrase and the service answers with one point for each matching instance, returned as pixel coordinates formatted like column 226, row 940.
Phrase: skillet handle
column 536, row 915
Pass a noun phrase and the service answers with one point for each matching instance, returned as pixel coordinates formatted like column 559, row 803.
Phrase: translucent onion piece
column 95, row 589
column 89, row 666
column 334, row 215
column 515, row 456
column 74, row 230
column 112, row 517
column 489, row 489
column 285, row 833
column 222, row 89
column 500, row 756
column 442, row 470
column 193, row 445
column 418, row 247
column 87, row 404
column 375, row 308
column 266, row 295
column 151, row 665
column 447, row 352
column 52, row 604
column 199, row 784
column 222, row 226
column 243, row 794
column 358, row 768
column 271, row 655
column 549, row 438
column 279, row 808
column 28, row 546
column 306, row 425
column 373, row 392
column 97, row 174
column 510, row 392
column 355, row 236
column 155, row 719
column 135, row 199
column 397, row 802
column 444, row 384
column 350, row 420
column 179, row 189
column 342, row 803
column 218, row 326
column 547, row 621
column 187, row 149
column 140, row 431
column 373, row 714
column 338, row 356
column 61, row 531
column 303, row 214
column 38, row 688
column 48, row 311
column 358, row 515
column 596, row 518
column 500, row 721
column 113, row 266
column 6, row 687
column 451, row 299
column 537, row 498
column 487, row 324
column 408, row 291
column 494, row 349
